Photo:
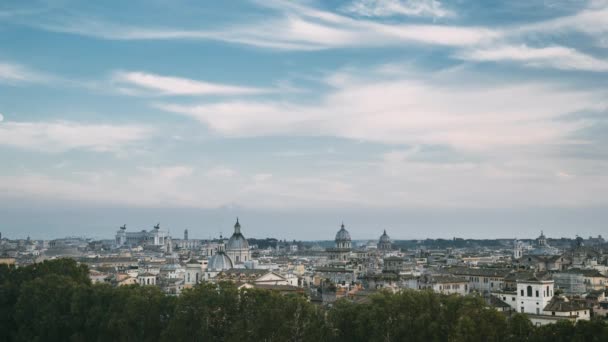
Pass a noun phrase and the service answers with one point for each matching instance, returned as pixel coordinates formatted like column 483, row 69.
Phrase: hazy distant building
column 542, row 247
column 237, row 248
column 343, row 246
column 570, row 283
column 384, row 243
column 154, row 237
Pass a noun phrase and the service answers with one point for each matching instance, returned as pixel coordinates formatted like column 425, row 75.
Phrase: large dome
column 342, row 234
column 385, row 238
column 237, row 240
column 219, row 262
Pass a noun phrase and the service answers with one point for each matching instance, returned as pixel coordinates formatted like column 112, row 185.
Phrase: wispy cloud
column 558, row 57
column 63, row 136
column 301, row 28
column 17, row 73
column 387, row 8
column 168, row 85
column 591, row 20
column 304, row 27
column 423, row 108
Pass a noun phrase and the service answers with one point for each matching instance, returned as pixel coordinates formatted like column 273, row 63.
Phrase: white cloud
column 167, row 85
column 385, row 8
column 296, row 27
column 420, row 109
column 16, row 73
column 221, row 172
column 592, row 20
column 170, row 173
column 553, row 56
column 62, row 136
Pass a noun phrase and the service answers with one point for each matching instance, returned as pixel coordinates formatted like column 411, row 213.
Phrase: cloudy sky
column 427, row 118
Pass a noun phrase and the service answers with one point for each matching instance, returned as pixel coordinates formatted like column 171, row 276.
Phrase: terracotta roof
column 560, row 304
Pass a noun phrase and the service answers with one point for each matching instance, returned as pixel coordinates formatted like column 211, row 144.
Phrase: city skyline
column 426, row 118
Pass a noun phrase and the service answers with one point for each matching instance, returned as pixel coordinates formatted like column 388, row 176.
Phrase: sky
column 427, row 118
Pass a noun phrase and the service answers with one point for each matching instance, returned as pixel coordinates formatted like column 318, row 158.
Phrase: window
column 538, row 311
column 522, row 292
column 547, row 291
column 552, row 313
column 529, row 290
column 536, row 293
column 522, row 309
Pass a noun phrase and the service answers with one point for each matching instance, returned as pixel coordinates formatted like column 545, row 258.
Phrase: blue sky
column 426, row 118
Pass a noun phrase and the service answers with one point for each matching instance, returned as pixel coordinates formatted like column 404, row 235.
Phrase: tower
column 186, row 234
column 121, row 236
column 534, row 294
column 518, row 249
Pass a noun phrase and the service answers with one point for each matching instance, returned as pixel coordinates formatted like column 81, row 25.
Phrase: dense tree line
column 55, row 301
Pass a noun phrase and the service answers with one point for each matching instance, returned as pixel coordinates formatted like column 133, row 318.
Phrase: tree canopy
column 55, row 301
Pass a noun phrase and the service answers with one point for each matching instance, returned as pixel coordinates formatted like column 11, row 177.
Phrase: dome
column 385, row 238
column 219, row 262
column 237, row 240
column 342, row 234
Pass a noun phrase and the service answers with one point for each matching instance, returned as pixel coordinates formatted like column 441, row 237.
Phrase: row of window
column 546, row 293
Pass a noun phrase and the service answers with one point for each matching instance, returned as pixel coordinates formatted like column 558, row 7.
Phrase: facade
column 154, row 237
column 194, row 273
column 445, row 284
column 533, row 295
column 237, row 247
column 393, row 264
column 483, row 280
column 145, row 279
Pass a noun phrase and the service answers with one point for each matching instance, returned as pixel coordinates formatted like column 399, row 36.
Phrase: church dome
column 342, row 234
column 237, row 240
column 385, row 238
column 219, row 262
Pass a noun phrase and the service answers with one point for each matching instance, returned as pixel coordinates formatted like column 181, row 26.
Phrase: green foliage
column 55, row 301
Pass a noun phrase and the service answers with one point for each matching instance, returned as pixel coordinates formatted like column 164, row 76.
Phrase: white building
column 533, row 295
column 445, row 284
column 535, row 298
column 146, row 279
column 194, row 273
column 155, row 237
